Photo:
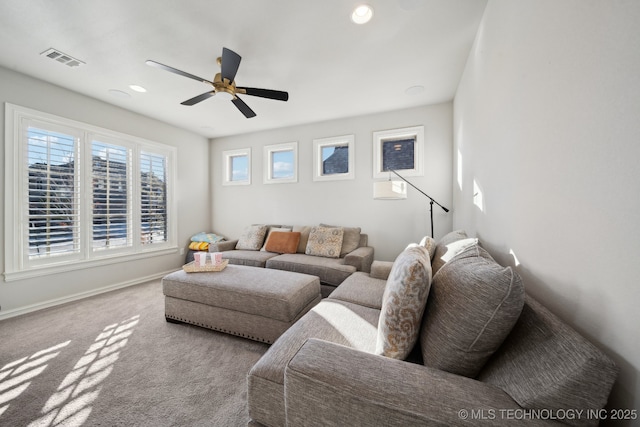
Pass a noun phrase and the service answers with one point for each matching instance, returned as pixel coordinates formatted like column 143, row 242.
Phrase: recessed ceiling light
column 362, row 14
column 414, row 90
column 137, row 88
column 119, row 94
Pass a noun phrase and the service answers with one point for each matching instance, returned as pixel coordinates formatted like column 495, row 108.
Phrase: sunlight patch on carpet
column 71, row 403
column 16, row 376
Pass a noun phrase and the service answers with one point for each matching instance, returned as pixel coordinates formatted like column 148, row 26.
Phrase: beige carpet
column 112, row 360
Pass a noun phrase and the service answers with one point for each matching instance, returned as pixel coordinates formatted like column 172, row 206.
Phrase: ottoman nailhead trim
column 238, row 334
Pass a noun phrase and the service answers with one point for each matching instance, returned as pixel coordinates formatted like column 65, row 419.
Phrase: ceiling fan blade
column 244, row 108
column 230, row 64
column 176, row 71
column 198, row 98
column 266, row 93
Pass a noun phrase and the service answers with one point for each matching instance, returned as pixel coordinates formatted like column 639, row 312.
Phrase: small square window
column 281, row 163
column 333, row 158
column 236, row 167
column 398, row 149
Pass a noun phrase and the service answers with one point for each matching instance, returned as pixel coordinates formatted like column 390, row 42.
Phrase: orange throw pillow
column 283, row 242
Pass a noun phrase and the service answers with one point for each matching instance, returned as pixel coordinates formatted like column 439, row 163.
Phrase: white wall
column 391, row 225
column 547, row 122
column 192, row 191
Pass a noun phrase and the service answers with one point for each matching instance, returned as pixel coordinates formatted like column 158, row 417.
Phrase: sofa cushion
column 331, row 271
column 325, row 242
column 441, row 248
column 250, row 258
column 361, row 288
column 331, row 320
column 403, row 303
column 473, row 305
column 282, row 242
column 381, row 269
column 350, row 240
column 252, row 238
column 545, row 364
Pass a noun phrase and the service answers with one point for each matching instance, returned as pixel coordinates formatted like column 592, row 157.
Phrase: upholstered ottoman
column 255, row 303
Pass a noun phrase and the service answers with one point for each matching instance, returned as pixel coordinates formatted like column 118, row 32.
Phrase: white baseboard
column 51, row 303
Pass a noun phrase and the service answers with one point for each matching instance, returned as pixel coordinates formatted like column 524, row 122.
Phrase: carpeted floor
column 112, row 360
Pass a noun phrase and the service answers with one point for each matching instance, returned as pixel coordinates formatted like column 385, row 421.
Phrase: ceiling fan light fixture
column 224, row 96
column 362, row 14
column 224, row 85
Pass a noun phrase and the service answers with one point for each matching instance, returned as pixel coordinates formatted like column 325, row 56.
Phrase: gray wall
column 391, row 225
column 546, row 122
column 193, row 192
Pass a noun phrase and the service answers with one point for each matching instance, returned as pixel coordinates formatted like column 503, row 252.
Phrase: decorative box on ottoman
column 255, row 303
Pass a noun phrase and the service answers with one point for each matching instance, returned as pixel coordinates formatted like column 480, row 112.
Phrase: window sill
column 81, row 265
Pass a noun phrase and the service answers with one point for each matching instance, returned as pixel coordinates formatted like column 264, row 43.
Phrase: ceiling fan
column 224, row 85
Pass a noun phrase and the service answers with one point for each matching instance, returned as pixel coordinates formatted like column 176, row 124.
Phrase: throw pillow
column 430, row 244
column 283, row 242
column 252, row 238
column 206, row 237
column 351, row 239
column 304, row 237
column 403, row 303
column 473, row 305
column 325, row 242
column 457, row 247
column 199, row 246
column 441, row 248
column 271, row 229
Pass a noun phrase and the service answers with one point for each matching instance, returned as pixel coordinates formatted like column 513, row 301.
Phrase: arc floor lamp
column 396, row 190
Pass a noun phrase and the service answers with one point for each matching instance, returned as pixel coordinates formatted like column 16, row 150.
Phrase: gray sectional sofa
column 485, row 352
column 250, row 250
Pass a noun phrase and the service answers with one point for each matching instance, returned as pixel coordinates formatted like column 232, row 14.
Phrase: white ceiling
column 331, row 67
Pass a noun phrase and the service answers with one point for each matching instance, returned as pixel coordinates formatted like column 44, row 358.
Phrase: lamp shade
column 389, row 190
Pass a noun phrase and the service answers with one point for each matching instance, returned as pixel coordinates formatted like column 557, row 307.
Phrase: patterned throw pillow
column 325, row 242
column 403, row 303
column 350, row 240
column 429, row 244
column 252, row 238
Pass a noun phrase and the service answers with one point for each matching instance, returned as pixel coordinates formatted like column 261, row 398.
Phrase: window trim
column 319, row 144
column 227, row 168
column 380, row 137
column 269, row 150
column 17, row 264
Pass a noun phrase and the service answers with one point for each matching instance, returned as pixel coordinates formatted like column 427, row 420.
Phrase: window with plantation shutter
column 78, row 195
column 153, row 198
column 51, row 204
column 111, row 184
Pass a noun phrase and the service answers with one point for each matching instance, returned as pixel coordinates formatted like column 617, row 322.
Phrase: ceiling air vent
column 62, row 57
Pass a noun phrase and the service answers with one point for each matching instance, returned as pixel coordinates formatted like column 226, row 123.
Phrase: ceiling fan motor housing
column 221, row 86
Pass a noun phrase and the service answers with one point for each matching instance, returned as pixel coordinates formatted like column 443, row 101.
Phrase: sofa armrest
column 361, row 258
column 225, row 245
column 329, row 384
column 381, row 269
